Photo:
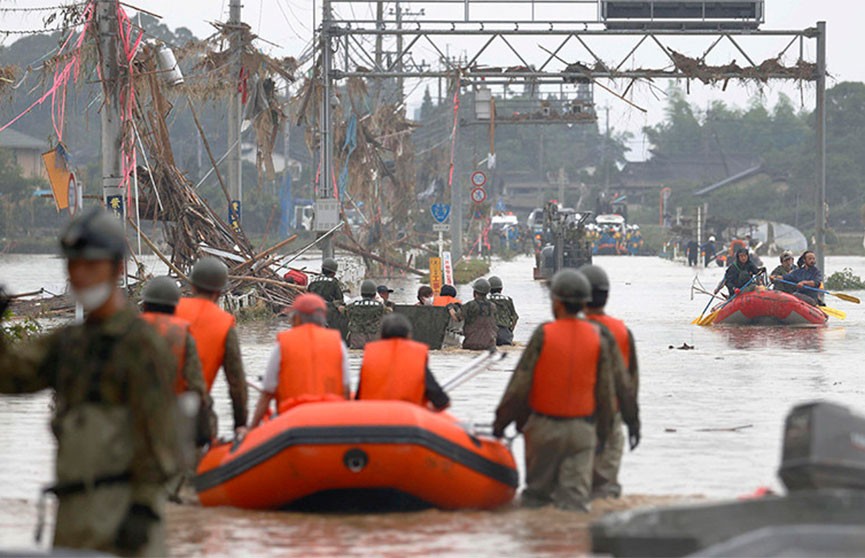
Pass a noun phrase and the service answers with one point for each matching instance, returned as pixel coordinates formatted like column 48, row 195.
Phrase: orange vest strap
column 394, row 369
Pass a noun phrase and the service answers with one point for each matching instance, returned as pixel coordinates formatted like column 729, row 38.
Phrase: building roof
column 13, row 139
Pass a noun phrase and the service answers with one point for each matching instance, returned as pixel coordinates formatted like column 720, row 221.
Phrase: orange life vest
column 174, row 330
column 619, row 331
column 209, row 325
column 394, row 369
column 310, row 363
column 567, row 370
column 445, row 300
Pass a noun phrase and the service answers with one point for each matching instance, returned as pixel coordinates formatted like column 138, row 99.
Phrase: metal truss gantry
column 555, row 42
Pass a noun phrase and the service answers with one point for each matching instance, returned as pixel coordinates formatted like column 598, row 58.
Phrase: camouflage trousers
column 504, row 336
column 358, row 340
column 559, row 454
column 605, row 477
column 91, row 520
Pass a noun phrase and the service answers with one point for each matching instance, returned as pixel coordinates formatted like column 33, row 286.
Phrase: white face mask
column 94, row 297
column 427, row 301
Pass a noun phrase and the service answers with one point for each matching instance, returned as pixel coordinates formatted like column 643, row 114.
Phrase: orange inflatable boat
column 358, row 455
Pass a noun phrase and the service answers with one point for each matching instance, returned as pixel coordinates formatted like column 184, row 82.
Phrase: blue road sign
column 440, row 212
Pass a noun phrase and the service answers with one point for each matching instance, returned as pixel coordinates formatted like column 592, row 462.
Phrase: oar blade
column 848, row 298
column 834, row 312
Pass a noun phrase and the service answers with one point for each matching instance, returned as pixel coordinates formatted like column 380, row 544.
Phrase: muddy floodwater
column 712, row 420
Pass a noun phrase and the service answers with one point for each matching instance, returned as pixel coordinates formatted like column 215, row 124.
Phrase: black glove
column 498, row 431
column 634, row 436
column 4, row 301
column 135, row 527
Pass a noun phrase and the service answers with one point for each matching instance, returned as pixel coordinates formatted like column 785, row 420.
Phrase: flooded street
column 712, row 419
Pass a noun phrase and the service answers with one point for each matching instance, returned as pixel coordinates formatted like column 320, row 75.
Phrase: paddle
column 700, row 317
column 472, row 369
column 842, row 296
column 835, row 313
column 710, row 319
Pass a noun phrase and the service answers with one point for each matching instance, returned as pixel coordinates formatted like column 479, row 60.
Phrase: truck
column 562, row 242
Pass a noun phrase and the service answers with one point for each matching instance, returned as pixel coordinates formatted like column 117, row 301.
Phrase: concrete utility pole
column 820, row 244
column 235, row 184
column 325, row 183
column 106, row 18
column 399, row 55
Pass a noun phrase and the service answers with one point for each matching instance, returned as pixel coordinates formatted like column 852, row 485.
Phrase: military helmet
column 367, row 288
column 162, row 291
column 329, row 264
column 209, row 274
column 597, row 277
column 482, row 286
column 94, row 235
column 569, row 285
column 496, row 282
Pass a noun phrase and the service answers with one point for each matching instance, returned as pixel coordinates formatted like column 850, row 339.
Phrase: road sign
column 447, row 268
column 478, row 179
column 479, row 195
column 435, row 274
column 441, row 227
column 440, row 212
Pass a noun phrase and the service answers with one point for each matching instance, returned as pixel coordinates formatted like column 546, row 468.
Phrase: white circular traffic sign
column 479, row 195
column 479, row 179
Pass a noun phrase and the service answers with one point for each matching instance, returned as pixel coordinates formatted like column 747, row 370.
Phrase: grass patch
column 844, row 281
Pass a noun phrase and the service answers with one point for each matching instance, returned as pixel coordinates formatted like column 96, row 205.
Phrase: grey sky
column 289, row 23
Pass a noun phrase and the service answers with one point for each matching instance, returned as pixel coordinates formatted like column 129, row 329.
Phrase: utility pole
column 235, row 184
column 820, row 247
column 106, row 17
column 399, row 55
column 379, row 23
column 325, row 194
column 606, row 151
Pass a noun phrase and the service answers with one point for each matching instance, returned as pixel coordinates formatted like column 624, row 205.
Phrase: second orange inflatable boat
column 359, row 455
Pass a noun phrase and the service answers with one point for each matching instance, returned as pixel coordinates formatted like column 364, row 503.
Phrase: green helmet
column 367, row 288
column 482, row 286
column 94, row 235
column 162, row 291
column 209, row 274
column 569, row 285
column 496, row 282
column 329, row 264
column 597, row 277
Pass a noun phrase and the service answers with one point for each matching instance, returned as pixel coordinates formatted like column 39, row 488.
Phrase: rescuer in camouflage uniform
column 506, row 314
column 479, row 317
column 605, row 479
column 364, row 317
column 327, row 286
column 115, row 415
column 560, row 450
column 160, row 296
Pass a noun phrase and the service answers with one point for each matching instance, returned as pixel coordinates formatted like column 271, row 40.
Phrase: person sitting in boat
column 397, row 368
column 782, row 270
column 740, row 273
column 309, row 360
column 805, row 277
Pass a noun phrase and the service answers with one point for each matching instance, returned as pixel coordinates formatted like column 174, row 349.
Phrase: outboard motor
column 824, row 447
